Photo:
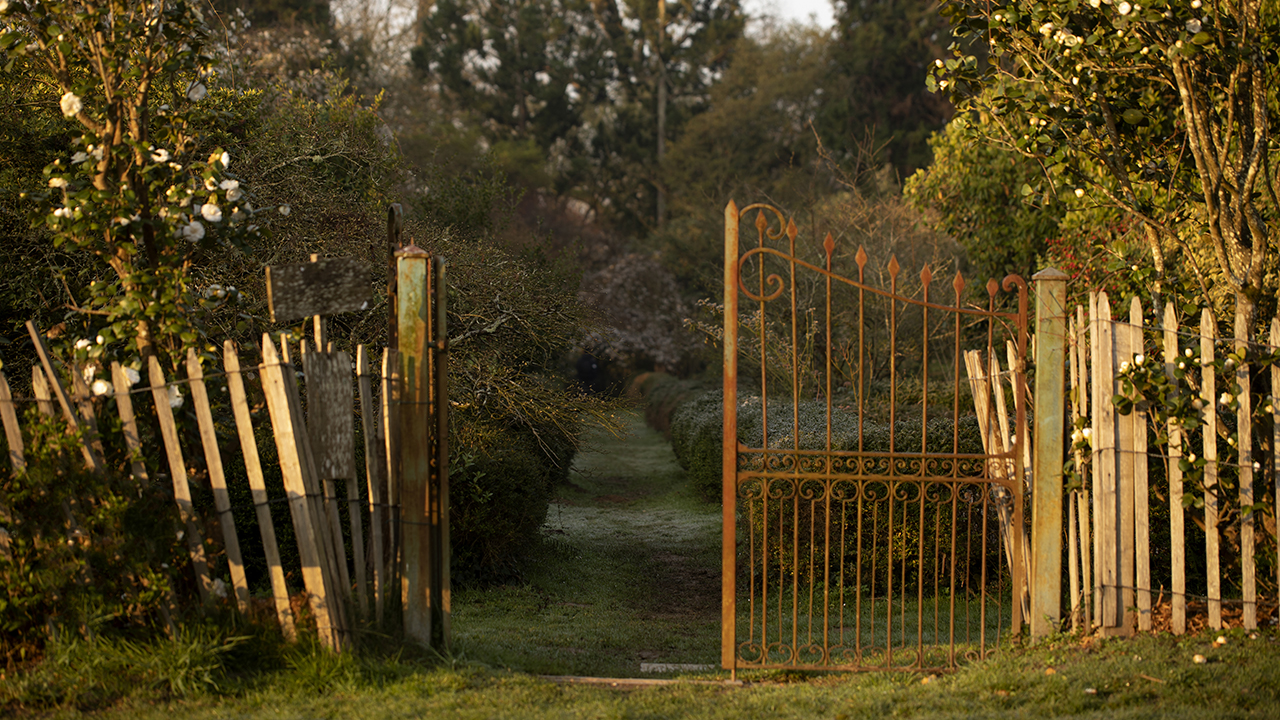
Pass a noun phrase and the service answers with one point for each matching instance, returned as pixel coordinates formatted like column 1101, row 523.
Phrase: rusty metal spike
column 861, row 257
column 958, row 284
column 792, row 230
column 926, row 276
column 993, row 287
column 829, row 244
column 894, row 267
column 762, row 222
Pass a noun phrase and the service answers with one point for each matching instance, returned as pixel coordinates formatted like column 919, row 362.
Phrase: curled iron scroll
column 765, row 233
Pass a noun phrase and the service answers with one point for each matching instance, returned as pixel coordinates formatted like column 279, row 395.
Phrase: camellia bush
column 137, row 188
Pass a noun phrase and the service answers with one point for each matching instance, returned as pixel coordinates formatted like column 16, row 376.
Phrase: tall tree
column 882, row 53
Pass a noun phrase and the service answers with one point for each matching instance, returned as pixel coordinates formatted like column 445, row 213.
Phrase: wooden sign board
column 324, row 287
column 330, row 399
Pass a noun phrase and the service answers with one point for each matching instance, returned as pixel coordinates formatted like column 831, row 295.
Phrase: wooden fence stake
column 217, row 479
column 1177, row 528
column 1107, row 491
column 391, row 436
column 129, row 423
column 92, row 460
column 375, row 473
column 311, row 544
column 257, row 486
column 1275, row 433
column 178, row 471
column 1073, row 528
column 40, row 388
column 1083, row 500
column 12, row 431
column 1141, row 516
column 1244, row 447
column 1210, row 450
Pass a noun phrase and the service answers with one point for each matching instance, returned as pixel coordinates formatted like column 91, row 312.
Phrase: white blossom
column 82, row 343
column 1046, row 29
column 1079, row 192
column 57, row 182
column 132, row 376
column 175, row 397
column 79, row 156
column 194, row 232
column 285, row 210
column 88, row 372
column 71, row 105
column 211, row 212
column 100, row 387
column 1193, row 26
column 233, row 189
column 197, row 92
column 1124, row 8
column 210, row 184
column 160, row 156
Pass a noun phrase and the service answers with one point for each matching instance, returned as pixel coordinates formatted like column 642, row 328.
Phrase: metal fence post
column 1050, row 409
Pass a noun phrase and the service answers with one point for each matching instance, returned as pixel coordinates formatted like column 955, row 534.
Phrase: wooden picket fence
column 1110, row 520
column 316, row 450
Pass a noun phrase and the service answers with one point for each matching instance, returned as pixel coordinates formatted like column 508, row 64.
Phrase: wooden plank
column 330, row 400
column 440, row 405
column 1123, row 352
column 1274, row 339
column 317, row 401
column 375, row 473
column 1108, row 491
column 128, row 423
column 258, row 488
column 1006, row 497
column 12, row 431
column 40, row 388
column 1073, row 534
column 324, row 287
column 1083, row 497
column 92, row 460
column 217, row 479
column 1141, row 514
column 391, row 436
column 178, row 472
column 1208, row 330
column 311, row 545
column 1177, row 527
column 328, row 527
column 83, row 398
column 1244, row 449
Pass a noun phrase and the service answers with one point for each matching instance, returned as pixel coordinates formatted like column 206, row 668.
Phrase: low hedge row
column 696, row 433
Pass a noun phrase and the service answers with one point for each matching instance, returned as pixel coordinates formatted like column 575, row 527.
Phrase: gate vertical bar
column 412, row 266
column 729, row 458
column 1046, row 509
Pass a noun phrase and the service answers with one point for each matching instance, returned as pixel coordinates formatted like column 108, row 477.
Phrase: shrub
column 697, row 432
column 663, row 394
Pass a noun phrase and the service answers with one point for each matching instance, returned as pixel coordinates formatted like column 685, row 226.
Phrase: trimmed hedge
column 696, row 433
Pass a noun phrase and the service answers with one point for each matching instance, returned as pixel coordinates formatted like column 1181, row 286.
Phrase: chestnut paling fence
column 872, row 518
column 1171, row 520
column 382, row 569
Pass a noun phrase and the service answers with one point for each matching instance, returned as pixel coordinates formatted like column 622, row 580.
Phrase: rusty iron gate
column 872, row 519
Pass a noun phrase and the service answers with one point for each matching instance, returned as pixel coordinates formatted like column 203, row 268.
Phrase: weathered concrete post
column 1050, row 414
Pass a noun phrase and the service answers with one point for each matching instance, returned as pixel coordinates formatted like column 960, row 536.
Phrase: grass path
column 628, row 573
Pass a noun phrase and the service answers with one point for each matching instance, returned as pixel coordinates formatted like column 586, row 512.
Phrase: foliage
column 137, row 192
column 82, row 546
column 1159, row 110
column 663, row 395
column 641, row 303
column 875, row 99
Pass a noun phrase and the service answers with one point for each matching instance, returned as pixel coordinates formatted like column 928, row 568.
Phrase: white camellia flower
column 1079, row 192
column 197, row 92
column 78, row 157
column 1193, row 26
column 232, row 187
column 1046, row 29
column 285, row 210
column 193, row 232
column 1124, row 8
column 4, row 6
column 211, row 212
column 101, row 387
column 132, row 376
column 57, row 182
column 160, row 156
column 175, row 397
column 210, row 184
column 71, row 105
column 225, row 159
column 88, row 372
column 82, row 343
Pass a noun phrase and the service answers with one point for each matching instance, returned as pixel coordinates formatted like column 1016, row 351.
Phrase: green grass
column 629, row 574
